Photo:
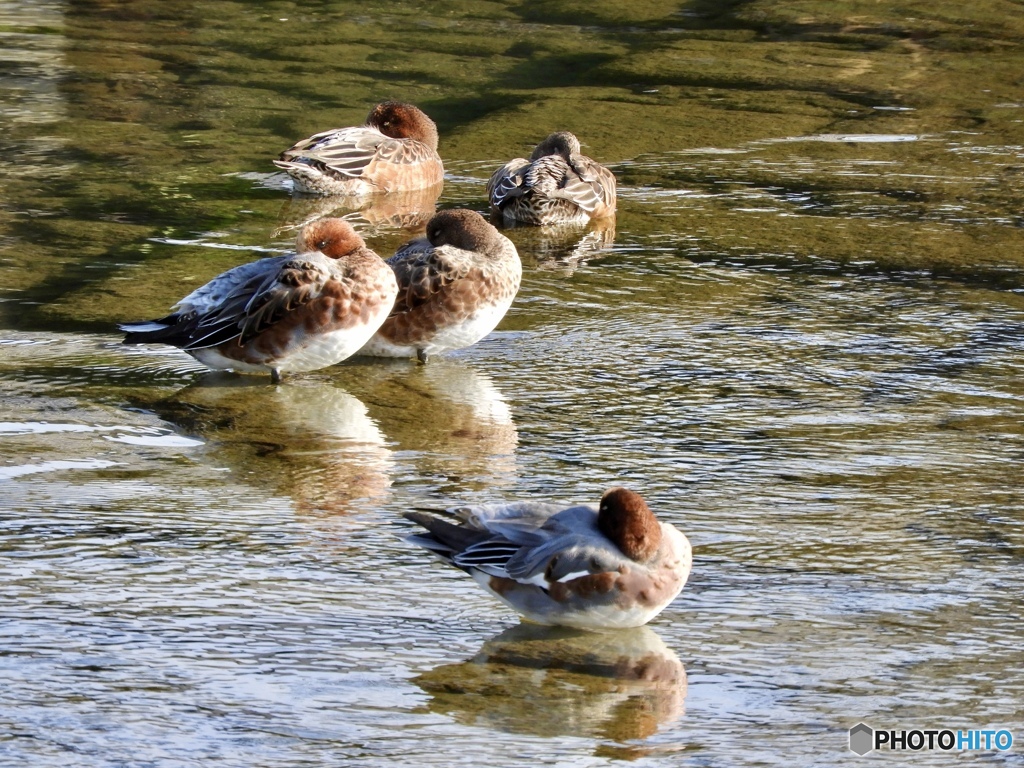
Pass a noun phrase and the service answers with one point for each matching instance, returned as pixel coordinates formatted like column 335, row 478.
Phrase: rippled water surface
column 802, row 340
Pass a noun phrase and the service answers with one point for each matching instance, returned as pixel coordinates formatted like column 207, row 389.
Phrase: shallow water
column 802, row 341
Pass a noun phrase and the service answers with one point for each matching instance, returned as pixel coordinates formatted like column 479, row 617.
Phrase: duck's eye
column 321, row 244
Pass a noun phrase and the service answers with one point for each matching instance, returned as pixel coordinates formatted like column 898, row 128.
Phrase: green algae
column 161, row 103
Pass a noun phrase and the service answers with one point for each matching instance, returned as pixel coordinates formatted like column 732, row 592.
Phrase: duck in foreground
column 608, row 567
column 557, row 185
column 454, row 286
column 395, row 150
column 299, row 312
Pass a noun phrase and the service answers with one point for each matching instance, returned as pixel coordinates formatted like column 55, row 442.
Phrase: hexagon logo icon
column 862, row 738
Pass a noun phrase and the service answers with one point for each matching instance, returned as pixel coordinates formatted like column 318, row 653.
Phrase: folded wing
column 348, row 152
column 247, row 304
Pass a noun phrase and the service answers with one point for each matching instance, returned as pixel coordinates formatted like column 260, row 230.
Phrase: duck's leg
column 275, row 376
column 421, row 355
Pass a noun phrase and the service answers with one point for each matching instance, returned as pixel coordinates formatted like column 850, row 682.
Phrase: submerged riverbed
column 802, row 340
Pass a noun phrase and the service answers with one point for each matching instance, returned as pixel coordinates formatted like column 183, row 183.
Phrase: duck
column 454, row 287
column 557, row 185
column 395, row 150
column 609, row 566
column 291, row 313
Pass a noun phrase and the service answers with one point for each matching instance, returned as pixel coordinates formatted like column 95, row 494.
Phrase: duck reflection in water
column 374, row 215
column 563, row 247
column 448, row 418
column 310, row 441
column 554, row 681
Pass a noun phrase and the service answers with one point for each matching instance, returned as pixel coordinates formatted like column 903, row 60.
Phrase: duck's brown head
column 403, row 121
column 625, row 518
column 560, row 143
column 332, row 237
column 463, row 229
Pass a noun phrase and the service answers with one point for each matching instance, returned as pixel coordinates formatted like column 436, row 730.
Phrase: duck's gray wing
column 507, row 182
column 585, row 183
column 255, row 305
column 180, row 326
column 566, row 544
column 559, row 557
column 206, row 297
column 346, row 152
